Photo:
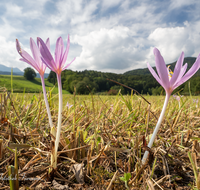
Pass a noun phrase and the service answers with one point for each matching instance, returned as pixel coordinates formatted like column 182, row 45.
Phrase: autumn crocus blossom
column 57, row 65
column 38, row 64
column 169, row 81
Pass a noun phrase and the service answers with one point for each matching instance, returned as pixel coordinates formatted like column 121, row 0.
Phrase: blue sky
column 106, row 35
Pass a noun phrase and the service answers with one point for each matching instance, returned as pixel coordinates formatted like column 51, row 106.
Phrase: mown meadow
column 103, row 139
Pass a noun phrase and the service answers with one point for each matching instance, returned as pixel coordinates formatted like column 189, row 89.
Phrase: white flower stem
column 53, row 130
column 157, row 127
column 46, row 101
column 59, row 118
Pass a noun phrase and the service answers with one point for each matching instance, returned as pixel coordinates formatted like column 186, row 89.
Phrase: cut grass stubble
column 114, row 127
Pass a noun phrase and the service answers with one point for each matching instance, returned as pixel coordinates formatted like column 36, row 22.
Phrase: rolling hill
column 20, row 84
column 188, row 60
column 4, row 70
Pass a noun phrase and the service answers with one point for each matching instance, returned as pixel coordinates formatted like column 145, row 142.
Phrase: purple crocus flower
column 169, row 81
column 38, row 64
column 68, row 105
column 177, row 98
column 57, row 65
column 36, row 61
column 196, row 101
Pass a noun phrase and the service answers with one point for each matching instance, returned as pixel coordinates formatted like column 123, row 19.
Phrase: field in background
column 20, row 84
column 112, row 130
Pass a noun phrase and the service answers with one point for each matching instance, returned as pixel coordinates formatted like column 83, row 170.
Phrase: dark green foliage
column 188, row 60
column 81, row 88
column 141, row 80
column 96, row 82
column 52, row 77
column 29, row 73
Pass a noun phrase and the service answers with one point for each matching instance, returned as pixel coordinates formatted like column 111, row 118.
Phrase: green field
column 20, row 84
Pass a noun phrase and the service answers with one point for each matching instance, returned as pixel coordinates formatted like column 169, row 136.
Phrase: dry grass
column 103, row 137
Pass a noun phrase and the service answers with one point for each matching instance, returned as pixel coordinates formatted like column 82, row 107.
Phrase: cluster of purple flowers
column 42, row 58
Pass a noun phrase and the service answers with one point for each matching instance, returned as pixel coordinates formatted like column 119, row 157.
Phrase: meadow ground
column 20, row 84
column 103, row 139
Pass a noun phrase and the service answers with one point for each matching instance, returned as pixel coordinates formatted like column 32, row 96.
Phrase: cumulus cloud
column 108, row 49
column 8, row 49
column 112, row 36
column 172, row 41
column 7, row 30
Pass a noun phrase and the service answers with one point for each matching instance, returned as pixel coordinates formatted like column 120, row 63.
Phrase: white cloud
column 7, row 30
column 74, row 12
column 113, row 35
column 107, row 49
column 193, row 29
column 13, row 10
column 8, row 53
column 109, row 4
column 171, row 42
column 84, row 14
column 29, row 10
column 181, row 3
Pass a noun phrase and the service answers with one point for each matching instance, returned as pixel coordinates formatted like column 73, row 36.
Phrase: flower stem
column 59, row 118
column 157, row 127
column 46, row 101
column 53, row 130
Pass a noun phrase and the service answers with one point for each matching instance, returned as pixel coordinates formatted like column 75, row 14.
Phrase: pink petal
column 195, row 67
column 18, row 47
column 24, row 60
column 68, row 65
column 154, row 74
column 59, row 52
column 183, row 70
column 48, row 43
column 26, row 57
column 46, row 55
column 177, row 69
column 36, row 53
column 161, row 68
column 179, row 81
column 47, row 65
column 64, row 58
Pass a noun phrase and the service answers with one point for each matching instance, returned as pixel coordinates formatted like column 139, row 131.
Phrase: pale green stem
column 59, row 117
column 157, row 127
column 46, row 101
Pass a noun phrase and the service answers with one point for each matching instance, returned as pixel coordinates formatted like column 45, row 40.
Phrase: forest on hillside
column 86, row 82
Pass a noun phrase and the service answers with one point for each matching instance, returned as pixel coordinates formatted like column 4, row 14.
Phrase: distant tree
column 52, row 77
column 29, row 73
column 81, row 88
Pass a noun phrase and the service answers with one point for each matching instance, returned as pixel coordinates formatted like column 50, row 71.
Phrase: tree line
column 86, row 82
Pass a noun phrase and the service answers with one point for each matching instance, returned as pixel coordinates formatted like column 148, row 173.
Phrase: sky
column 105, row 35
